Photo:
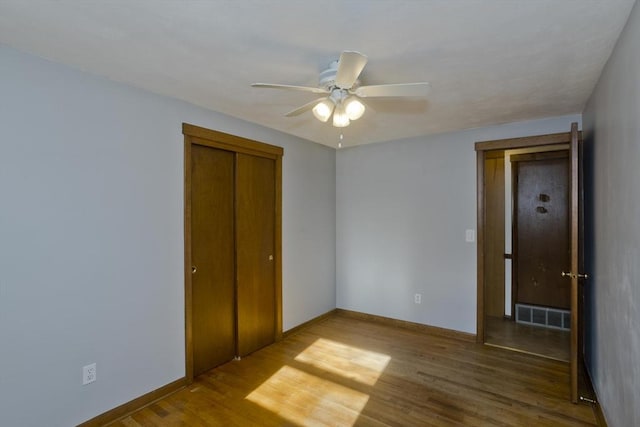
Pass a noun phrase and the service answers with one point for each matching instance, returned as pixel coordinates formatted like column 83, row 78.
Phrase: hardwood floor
column 546, row 342
column 349, row 372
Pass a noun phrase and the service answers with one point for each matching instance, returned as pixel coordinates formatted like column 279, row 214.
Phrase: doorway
column 527, row 306
column 485, row 244
column 233, row 270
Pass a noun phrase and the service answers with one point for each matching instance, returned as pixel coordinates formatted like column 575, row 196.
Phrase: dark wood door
column 255, row 237
column 541, row 235
column 212, row 252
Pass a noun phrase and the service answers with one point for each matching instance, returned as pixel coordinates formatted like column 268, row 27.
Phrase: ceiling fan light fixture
column 323, row 110
column 354, row 108
column 340, row 117
column 342, row 92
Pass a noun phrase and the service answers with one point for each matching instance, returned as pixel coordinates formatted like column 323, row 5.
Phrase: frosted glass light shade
column 354, row 108
column 340, row 117
column 323, row 110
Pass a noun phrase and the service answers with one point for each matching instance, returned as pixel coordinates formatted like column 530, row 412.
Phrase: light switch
column 470, row 236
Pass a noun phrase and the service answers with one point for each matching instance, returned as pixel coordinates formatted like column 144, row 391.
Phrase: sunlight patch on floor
column 298, row 396
column 347, row 361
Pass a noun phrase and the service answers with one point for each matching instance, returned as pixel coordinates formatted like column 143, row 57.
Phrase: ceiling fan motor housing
column 327, row 79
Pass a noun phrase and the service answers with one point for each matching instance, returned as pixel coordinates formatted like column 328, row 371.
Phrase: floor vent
column 543, row 316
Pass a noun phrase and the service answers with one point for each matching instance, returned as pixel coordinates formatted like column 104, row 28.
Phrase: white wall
column 309, row 230
column 402, row 211
column 612, row 170
column 91, row 238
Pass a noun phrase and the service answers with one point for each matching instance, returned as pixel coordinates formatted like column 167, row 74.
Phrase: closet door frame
column 214, row 139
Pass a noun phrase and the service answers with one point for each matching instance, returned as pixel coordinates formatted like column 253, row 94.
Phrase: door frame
column 195, row 135
column 577, row 262
column 494, row 232
column 482, row 147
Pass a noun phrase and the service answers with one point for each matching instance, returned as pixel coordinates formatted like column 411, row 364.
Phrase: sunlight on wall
column 349, row 362
column 326, row 402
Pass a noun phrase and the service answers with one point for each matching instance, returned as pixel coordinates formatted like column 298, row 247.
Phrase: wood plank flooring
column 545, row 342
column 349, row 372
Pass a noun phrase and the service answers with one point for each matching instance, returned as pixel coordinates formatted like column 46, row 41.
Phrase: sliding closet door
column 233, row 284
column 255, row 257
column 212, row 250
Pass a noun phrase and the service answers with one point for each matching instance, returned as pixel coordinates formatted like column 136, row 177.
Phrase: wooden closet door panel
column 255, row 232
column 212, row 246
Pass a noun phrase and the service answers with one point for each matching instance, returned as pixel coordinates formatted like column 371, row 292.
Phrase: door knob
column 573, row 276
column 270, row 257
column 193, row 269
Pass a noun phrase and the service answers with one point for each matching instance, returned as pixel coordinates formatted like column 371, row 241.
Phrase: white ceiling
column 489, row 61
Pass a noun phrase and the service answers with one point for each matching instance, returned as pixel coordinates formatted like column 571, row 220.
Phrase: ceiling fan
column 342, row 92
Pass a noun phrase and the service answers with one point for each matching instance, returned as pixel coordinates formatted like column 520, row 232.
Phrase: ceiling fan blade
column 400, row 89
column 350, row 66
column 306, row 107
column 290, row 87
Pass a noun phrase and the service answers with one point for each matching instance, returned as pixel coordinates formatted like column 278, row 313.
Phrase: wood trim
column 494, row 154
column 514, row 237
column 278, row 249
column 230, row 142
column 524, row 142
column 574, row 260
column 308, row 323
column 188, row 285
column 540, row 155
column 211, row 138
column 480, row 160
column 518, row 350
column 597, row 408
column 127, row 408
column 229, row 147
column 427, row 329
column 433, row 330
column 235, row 255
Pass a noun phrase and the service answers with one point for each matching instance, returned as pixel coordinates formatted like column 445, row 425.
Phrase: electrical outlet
column 89, row 374
column 417, row 298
